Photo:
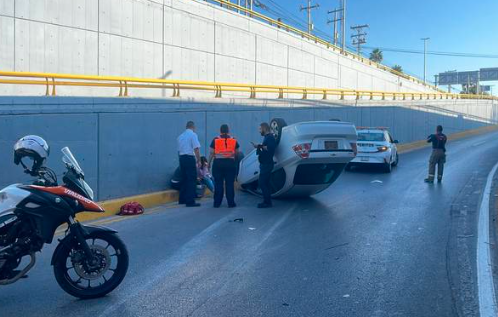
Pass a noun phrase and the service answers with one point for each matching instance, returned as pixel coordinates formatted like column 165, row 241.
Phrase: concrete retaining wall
column 175, row 39
column 128, row 146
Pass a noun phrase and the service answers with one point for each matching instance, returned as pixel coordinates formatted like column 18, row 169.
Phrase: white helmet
column 34, row 147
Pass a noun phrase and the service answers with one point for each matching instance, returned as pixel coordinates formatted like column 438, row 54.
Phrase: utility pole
column 308, row 8
column 359, row 37
column 343, row 22
column 425, row 39
column 335, row 20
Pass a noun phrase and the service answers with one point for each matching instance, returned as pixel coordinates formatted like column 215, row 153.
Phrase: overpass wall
column 176, row 39
column 128, row 146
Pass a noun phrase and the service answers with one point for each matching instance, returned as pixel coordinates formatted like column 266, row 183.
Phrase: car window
column 371, row 136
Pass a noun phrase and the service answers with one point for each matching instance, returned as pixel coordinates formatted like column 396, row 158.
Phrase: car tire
column 396, row 161
column 276, row 126
column 388, row 167
column 348, row 168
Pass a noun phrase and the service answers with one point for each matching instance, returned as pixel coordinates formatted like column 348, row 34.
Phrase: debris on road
column 337, row 246
column 285, row 304
column 465, row 236
column 376, row 182
column 251, row 228
column 237, row 220
column 346, row 296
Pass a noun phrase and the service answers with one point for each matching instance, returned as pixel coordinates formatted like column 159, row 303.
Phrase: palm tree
column 376, row 56
column 398, row 68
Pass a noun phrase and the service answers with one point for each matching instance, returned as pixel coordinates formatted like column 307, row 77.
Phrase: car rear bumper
column 371, row 158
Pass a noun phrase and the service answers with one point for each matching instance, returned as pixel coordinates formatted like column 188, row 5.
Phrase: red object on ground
column 131, row 209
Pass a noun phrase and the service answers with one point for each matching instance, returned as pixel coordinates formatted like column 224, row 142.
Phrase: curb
column 404, row 148
column 169, row 196
column 112, row 207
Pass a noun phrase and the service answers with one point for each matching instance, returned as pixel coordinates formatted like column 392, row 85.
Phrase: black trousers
column 189, row 179
column 224, row 179
column 264, row 181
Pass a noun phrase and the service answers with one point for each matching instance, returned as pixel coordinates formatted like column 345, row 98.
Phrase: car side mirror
column 396, row 141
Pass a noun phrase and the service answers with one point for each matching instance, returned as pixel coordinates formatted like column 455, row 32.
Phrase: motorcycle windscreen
column 69, row 158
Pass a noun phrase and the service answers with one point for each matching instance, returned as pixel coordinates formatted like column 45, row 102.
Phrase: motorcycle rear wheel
column 75, row 278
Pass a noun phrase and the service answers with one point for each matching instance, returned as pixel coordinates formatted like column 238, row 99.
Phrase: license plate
column 364, row 158
column 331, row 145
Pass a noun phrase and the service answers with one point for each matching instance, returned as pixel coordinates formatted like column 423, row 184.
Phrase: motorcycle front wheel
column 79, row 278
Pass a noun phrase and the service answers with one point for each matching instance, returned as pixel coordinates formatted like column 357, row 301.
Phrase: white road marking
column 479, row 143
column 485, row 283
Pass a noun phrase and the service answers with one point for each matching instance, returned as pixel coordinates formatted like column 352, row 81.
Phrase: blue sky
column 453, row 26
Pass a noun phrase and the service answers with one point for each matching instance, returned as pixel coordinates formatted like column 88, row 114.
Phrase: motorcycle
column 88, row 262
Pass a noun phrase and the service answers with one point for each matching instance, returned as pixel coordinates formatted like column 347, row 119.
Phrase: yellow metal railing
column 319, row 40
column 52, row 81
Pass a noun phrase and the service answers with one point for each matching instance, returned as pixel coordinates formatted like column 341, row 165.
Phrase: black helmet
column 34, row 147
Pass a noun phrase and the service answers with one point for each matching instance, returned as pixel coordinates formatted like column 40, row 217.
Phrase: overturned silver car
column 309, row 157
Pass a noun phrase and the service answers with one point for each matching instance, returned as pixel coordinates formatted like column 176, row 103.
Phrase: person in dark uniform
column 438, row 156
column 189, row 153
column 224, row 149
column 265, row 152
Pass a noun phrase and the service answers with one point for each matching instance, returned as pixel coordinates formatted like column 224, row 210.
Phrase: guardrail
column 316, row 39
column 52, row 81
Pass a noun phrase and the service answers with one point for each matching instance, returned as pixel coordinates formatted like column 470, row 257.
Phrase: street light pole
column 343, row 26
column 425, row 39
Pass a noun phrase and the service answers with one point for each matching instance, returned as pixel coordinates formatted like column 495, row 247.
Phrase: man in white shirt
column 188, row 151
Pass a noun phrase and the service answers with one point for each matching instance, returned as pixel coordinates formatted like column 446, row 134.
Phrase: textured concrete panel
column 235, row 70
column 190, row 31
column 349, row 78
column 326, row 68
column 271, row 52
column 188, row 64
column 301, row 60
column 271, row 75
column 7, row 7
column 7, row 43
column 121, row 56
column 234, row 42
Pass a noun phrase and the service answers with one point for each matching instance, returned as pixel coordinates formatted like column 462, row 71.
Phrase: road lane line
column 485, row 283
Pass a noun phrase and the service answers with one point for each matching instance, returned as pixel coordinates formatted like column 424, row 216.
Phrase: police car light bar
column 372, row 128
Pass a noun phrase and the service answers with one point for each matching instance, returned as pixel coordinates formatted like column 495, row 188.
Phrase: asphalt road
column 398, row 247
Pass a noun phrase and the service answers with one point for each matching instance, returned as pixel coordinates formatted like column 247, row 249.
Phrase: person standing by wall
column 265, row 152
column 224, row 149
column 189, row 154
column 438, row 156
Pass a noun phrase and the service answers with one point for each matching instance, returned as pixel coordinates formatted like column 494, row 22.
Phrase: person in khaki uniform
column 438, row 156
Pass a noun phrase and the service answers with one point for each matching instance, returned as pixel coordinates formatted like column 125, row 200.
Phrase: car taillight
column 354, row 147
column 382, row 148
column 302, row 150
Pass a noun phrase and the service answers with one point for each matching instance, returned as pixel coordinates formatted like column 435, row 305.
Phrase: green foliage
column 376, row 56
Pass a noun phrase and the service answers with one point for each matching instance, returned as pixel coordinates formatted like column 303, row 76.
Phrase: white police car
column 375, row 146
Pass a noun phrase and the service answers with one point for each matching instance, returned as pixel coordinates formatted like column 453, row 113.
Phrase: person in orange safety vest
column 224, row 150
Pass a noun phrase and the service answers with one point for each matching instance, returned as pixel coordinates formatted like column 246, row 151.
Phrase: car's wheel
column 396, row 161
column 276, row 126
column 349, row 167
column 388, row 167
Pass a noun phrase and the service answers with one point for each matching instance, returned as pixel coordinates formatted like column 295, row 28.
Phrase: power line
column 439, row 53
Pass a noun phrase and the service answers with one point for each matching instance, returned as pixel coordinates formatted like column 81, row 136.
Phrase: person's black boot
column 429, row 180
